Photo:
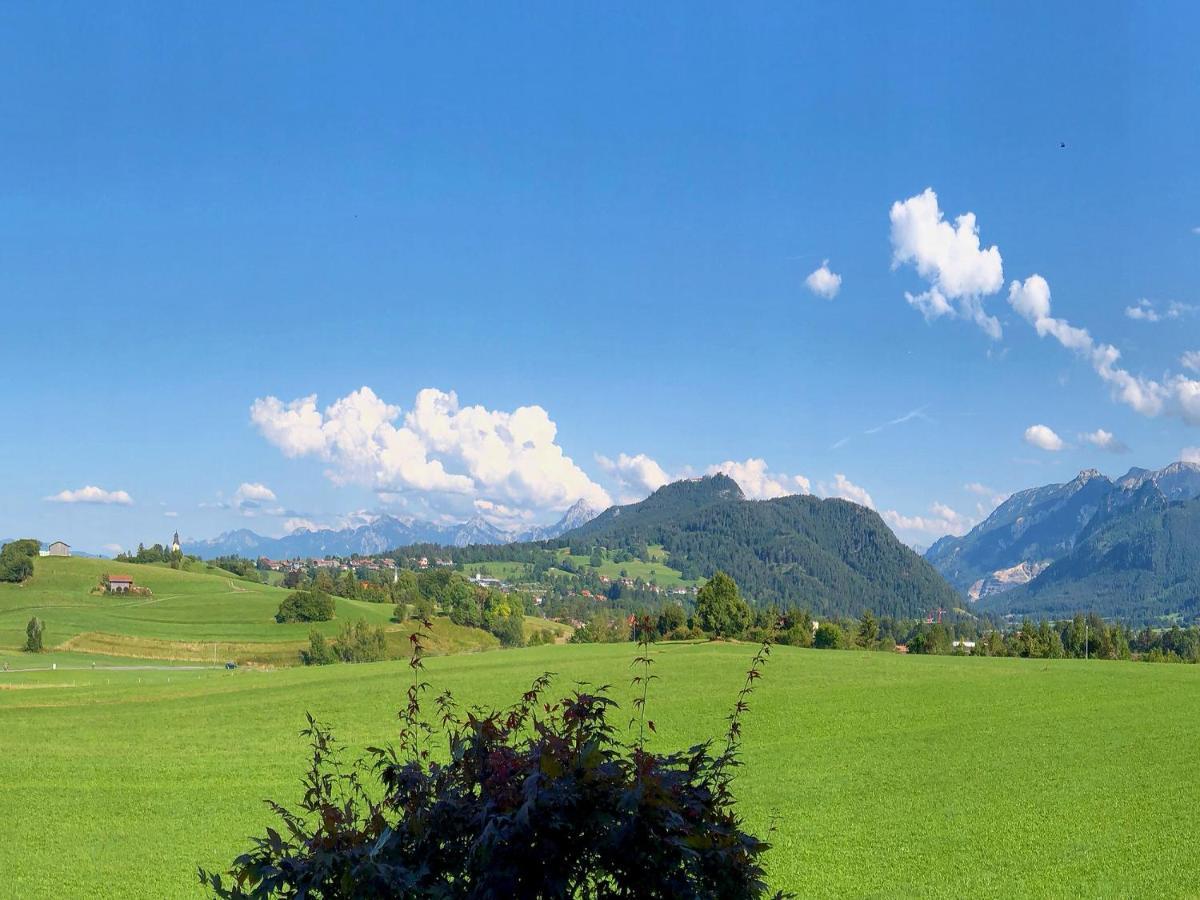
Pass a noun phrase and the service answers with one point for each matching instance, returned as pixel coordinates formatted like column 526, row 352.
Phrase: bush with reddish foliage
column 540, row 800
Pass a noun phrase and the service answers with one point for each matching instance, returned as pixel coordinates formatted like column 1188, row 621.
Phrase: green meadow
column 875, row 774
column 200, row 615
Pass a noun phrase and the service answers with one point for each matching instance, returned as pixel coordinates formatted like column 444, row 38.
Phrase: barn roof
column 128, row 578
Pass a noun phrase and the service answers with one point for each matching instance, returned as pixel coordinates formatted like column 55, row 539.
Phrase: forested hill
column 831, row 556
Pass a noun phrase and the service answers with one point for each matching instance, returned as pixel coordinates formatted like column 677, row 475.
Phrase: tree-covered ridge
column 830, row 556
column 1140, row 563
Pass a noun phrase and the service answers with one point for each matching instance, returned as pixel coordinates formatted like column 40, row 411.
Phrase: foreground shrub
column 360, row 642
column 539, row 800
column 320, row 652
column 305, row 606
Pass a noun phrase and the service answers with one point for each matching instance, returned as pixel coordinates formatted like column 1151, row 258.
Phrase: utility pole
column 1085, row 638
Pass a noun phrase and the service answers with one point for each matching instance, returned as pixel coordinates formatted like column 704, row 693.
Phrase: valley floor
column 880, row 775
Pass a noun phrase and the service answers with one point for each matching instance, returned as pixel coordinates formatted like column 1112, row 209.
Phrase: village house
column 59, row 548
column 120, row 584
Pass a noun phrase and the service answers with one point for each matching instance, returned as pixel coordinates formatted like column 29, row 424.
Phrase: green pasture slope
column 882, row 775
column 655, row 570
column 196, row 616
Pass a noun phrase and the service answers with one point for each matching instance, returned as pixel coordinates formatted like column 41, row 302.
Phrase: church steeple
column 175, row 545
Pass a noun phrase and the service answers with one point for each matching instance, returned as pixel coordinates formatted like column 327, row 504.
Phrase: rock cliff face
column 1005, row 579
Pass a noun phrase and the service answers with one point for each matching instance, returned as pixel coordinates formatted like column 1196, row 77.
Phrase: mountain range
column 381, row 533
column 1127, row 547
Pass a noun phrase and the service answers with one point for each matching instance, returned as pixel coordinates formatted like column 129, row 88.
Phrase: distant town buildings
column 480, row 580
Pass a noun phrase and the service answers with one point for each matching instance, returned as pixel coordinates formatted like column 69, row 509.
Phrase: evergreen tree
column 33, row 636
column 868, row 631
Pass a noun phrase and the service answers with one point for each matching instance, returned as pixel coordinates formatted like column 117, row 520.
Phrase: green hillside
column 189, row 615
column 881, row 775
column 832, row 556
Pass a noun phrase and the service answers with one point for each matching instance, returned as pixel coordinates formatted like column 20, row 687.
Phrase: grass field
column 884, row 775
column 657, row 571
column 193, row 616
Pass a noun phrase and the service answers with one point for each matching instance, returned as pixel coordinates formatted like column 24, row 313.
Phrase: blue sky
column 609, row 214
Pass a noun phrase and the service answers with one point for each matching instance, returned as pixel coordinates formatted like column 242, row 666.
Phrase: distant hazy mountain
column 831, row 556
column 1017, row 546
column 381, row 534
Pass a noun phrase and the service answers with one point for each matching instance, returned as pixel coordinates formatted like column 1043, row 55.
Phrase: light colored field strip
column 62, row 668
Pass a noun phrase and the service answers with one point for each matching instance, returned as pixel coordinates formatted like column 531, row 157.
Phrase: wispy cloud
column 982, row 490
column 1174, row 395
column 1149, row 311
column 918, row 413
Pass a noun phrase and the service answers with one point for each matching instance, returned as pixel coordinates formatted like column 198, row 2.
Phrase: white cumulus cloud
column 1104, row 440
column 1043, row 437
column 637, row 475
column 253, row 492
column 1190, row 455
column 92, row 494
column 251, row 499
column 756, row 482
column 959, row 271
column 298, row 523
column 1142, row 311
column 941, row 520
column 438, row 447
column 846, row 489
column 1191, row 360
column 823, row 282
